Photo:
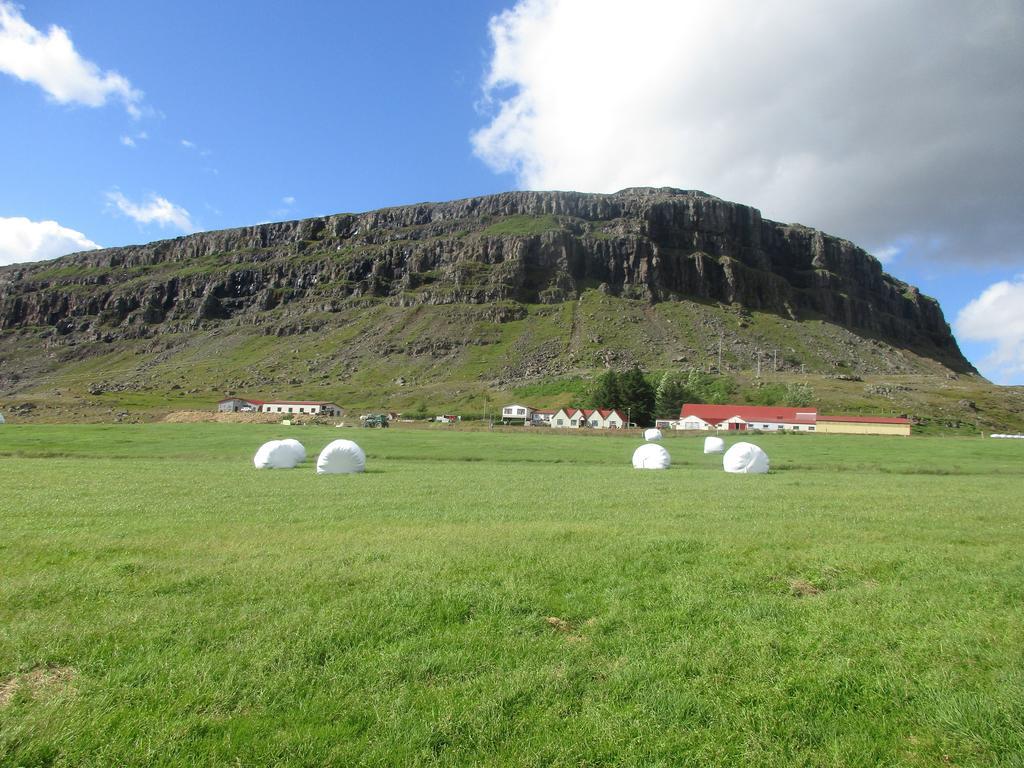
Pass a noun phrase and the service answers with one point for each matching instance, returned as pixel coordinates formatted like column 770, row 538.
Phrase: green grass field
column 507, row 599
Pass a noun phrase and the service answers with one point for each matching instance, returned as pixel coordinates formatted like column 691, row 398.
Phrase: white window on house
column 810, row 429
column 520, row 411
column 560, row 422
column 573, row 422
column 595, row 423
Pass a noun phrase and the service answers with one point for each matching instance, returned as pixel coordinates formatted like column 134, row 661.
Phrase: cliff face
column 532, row 247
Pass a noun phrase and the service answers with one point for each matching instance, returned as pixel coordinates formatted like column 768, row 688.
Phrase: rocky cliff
column 520, row 247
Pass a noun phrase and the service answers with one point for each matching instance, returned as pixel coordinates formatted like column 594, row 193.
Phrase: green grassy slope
column 468, row 359
column 517, row 599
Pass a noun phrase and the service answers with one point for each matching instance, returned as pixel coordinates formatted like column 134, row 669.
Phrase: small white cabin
column 520, row 413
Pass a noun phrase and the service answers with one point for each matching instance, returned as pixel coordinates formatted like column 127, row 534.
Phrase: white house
column 613, row 419
column 542, row 417
column 567, row 418
column 594, row 418
column 520, row 413
column 691, row 422
column 604, row 419
column 309, row 407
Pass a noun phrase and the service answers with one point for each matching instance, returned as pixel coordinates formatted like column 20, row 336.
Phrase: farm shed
column 863, row 425
column 236, row 404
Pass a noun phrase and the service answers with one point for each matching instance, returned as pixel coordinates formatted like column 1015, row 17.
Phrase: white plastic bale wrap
column 652, row 435
column 297, row 448
column 274, row 455
column 651, row 456
column 341, row 457
column 714, row 445
column 1, row 418
column 745, row 459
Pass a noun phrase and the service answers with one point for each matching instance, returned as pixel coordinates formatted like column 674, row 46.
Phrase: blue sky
column 898, row 129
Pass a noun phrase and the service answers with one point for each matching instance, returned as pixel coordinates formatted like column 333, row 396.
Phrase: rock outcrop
column 528, row 247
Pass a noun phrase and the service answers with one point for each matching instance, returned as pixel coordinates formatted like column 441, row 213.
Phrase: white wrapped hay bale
column 652, row 435
column 651, row 456
column 745, row 459
column 297, row 448
column 275, row 455
column 714, row 445
column 341, row 457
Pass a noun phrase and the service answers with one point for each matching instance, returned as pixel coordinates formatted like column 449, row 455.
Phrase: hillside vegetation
column 459, row 306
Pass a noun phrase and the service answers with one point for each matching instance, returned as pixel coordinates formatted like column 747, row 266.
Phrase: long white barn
column 293, row 407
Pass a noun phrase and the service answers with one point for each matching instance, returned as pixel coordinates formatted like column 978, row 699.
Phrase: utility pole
column 758, row 353
column 720, row 335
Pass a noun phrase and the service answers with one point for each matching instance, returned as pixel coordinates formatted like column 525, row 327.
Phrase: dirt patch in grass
column 802, row 588
column 37, row 682
column 216, row 417
column 559, row 625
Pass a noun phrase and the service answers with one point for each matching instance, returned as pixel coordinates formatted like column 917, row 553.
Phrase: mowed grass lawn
column 507, row 599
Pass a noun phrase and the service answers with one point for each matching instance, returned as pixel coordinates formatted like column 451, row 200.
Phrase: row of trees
column 630, row 392
column 633, row 394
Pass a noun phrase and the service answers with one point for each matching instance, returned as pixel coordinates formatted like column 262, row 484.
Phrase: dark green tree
column 606, row 392
column 637, row 396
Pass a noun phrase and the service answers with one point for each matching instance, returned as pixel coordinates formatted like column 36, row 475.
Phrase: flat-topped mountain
column 450, row 303
column 528, row 247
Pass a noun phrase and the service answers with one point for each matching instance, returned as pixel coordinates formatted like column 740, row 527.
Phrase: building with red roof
column 595, row 418
column 294, row 407
column 744, row 417
column 768, row 418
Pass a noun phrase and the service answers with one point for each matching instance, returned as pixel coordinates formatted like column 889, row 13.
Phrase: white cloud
column 877, row 121
column 188, row 144
column 288, row 200
column 887, row 253
column 155, row 209
column 131, row 141
column 22, row 239
column 50, row 61
column 997, row 317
